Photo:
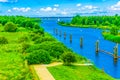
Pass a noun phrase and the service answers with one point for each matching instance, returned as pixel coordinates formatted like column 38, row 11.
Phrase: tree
column 29, row 24
column 10, row 27
column 114, row 30
column 68, row 58
column 36, row 26
column 39, row 56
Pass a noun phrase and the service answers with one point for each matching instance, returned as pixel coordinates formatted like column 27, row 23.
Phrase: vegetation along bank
column 109, row 24
column 23, row 42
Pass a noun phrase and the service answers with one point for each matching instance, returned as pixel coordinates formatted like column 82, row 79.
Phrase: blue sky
column 53, row 8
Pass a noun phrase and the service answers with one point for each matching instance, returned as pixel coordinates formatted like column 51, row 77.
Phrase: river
column 90, row 36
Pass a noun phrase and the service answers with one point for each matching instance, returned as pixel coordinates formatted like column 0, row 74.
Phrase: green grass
column 85, row 26
column 110, row 37
column 34, row 74
column 78, row 73
column 12, row 66
column 13, row 36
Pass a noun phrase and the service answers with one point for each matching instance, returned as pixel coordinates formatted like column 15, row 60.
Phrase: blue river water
column 90, row 36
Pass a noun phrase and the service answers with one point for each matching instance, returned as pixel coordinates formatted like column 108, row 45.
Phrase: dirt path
column 44, row 74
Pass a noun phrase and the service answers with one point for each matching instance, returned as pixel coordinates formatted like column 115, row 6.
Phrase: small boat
column 58, row 19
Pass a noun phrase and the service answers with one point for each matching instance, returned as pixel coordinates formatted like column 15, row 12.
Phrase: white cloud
column 56, row 5
column 46, row 9
column 116, row 6
column 78, row 5
column 64, row 13
column 9, row 10
column 11, row 1
column 90, row 7
column 3, row 0
column 54, row 9
column 22, row 9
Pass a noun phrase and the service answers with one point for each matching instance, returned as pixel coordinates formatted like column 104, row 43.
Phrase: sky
column 59, row 8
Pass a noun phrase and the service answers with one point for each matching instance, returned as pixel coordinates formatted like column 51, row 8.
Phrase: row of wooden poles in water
column 97, row 49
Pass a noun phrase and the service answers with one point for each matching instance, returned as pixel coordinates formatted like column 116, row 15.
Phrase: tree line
column 96, row 20
column 11, row 23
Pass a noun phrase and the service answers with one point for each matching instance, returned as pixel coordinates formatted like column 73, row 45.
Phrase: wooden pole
column 64, row 35
column 60, row 34
column 97, row 46
column 81, row 42
column 56, row 31
column 70, row 38
column 103, row 70
column 116, row 53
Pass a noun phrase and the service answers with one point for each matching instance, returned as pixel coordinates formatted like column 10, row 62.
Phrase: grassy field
column 110, row 37
column 12, row 65
column 34, row 74
column 78, row 73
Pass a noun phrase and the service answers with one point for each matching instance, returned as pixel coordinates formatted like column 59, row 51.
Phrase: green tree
column 39, row 56
column 10, row 27
column 114, row 30
column 36, row 26
column 68, row 58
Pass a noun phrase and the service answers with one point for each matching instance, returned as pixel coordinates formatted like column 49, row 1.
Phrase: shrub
column 23, row 39
column 39, row 31
column 1, row 25
column 111, row 37
column 43, row 39
column 114, row 30
column 117, row 39
column 22, row 29
column 3, row 40
column 35, row 37
column 10, row 27
column 31, row 34
column 36, row 26
column 25, row 46
column 39, row 56
column 55, row 49
column 68, row 58
column 28, row 24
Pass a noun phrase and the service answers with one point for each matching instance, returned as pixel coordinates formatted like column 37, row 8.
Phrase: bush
column 39, row 31
column 117, row 39
column 3, row 40
column 10, row 27
column 43, row 39
column 22, row 29
column 23, row 39
column 68, row 58
column 113, row 38
column 35, row 37
column 55, row 49
column 36, row 26
column 39, row 56
column 114, row 31
column 25, row 46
